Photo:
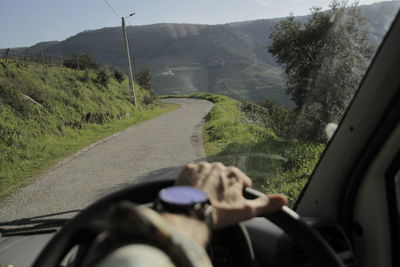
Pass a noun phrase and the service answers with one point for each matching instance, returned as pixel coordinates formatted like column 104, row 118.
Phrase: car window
column 278, row 77
column 393, row 192
column 321, row 58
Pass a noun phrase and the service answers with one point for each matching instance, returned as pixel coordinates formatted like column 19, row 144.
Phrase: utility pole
column 131, row 83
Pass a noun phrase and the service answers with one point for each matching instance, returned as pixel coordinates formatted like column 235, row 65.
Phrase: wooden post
column 42, row 59
column 26, row 59
column 131, row 82
column 7, row 52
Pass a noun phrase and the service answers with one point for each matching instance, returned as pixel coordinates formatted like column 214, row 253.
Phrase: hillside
column 47, row 113
column 229, row 59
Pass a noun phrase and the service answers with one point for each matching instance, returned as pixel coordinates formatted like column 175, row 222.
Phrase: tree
column 103, row 77
column 118, row 75
column 144, row 79
column 80, row 62
column 323, row 60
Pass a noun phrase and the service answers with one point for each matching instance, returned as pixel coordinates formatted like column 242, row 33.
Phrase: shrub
column 281, row 118
column 144, row 79
column 302, row 158
column 309, row 125
column 256, row 113
column 85, row 77
column 103, row 77
column 11, row 97
column 80, row 62
column 118, row 75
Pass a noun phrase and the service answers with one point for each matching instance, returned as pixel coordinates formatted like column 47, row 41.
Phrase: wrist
column 188, row 210
column 193, row 228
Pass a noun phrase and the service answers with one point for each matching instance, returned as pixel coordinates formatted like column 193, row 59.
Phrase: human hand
column 224, row 187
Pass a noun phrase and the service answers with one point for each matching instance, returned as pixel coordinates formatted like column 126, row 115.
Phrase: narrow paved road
column 154, row 149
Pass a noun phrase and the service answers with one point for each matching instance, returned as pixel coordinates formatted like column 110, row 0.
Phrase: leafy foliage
column 271, row 114
column 323, row 60
column 118, row 75
column 235, row 136
column 256, row 113
column 281, row 118
column 80, row 62
column 145, row 79
column 103, row 77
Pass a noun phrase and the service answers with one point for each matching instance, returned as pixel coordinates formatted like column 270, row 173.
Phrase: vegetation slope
column 279, row 147
column 275, row 163
column 47, row 113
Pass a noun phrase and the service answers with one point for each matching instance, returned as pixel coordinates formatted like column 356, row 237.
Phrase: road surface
column 154, row 149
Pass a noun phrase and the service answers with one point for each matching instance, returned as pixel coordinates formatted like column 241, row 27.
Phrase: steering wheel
column 83, row 229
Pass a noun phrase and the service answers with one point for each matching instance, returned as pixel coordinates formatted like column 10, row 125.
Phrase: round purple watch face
column 182, row 195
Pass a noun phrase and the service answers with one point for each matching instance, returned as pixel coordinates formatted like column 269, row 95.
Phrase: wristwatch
column 185, row 200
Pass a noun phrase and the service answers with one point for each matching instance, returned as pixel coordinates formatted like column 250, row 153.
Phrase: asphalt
column 154, row 149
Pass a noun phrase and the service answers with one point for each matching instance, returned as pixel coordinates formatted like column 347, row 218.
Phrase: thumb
column 267, row 204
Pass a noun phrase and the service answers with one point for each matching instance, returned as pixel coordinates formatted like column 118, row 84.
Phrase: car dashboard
column 272, row 247
column 256, row 242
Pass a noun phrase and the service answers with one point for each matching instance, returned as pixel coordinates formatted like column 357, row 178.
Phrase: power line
column 131, row 82
column 112, row 9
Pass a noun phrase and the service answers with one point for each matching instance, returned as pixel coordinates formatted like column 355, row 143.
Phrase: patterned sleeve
column 137, row 255
column 160, row 243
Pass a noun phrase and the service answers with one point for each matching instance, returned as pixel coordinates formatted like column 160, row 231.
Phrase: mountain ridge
column 229, row 59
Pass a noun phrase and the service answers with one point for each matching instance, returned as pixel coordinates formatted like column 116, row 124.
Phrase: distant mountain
column 42, row 46
column 229, row 59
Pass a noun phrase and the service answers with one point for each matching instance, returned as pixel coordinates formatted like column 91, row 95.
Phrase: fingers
column 228, row 172
column 235, row 173
column 190, row 167
column 223, row 176
column 224, row 187
column 278, row 199
column 186, row 176
column 226, row 215
column 203, row 167
column 205, row 174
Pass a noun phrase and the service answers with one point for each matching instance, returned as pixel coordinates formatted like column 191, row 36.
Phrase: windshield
column 99, row 95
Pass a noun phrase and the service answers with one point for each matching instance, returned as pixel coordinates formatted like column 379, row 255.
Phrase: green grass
column 48, row 113
column 275, row 164
column 19, row 165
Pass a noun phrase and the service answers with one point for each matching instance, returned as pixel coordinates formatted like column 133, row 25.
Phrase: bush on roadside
column 280, row 118
column 118, row 75
column 239, row 134
column 80, row 62
column 145, row 79
column 103, row 77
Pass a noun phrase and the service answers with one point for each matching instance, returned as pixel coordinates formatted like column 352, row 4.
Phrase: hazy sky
column 26, row 22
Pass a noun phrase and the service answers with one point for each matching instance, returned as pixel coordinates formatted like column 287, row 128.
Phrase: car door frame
column 370, row 120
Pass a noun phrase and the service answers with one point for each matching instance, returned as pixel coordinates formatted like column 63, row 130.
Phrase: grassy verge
column 48, row 113
column 274, row 163
column 23, row 164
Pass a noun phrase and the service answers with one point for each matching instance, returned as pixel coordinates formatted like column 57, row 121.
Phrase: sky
column 27, row 22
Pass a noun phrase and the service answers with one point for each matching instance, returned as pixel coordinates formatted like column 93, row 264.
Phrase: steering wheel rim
column 300, row 232
column 64, row 240
column 288, row 220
